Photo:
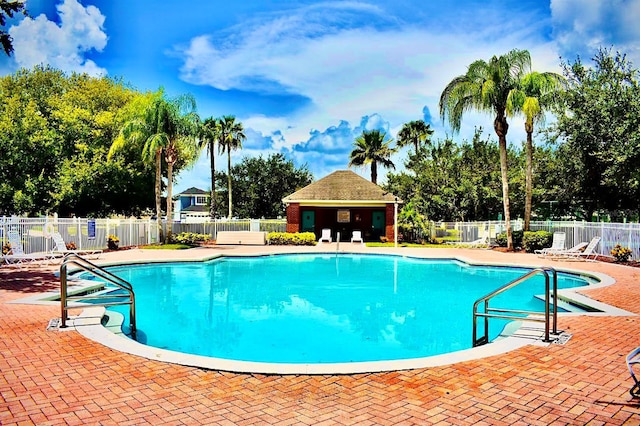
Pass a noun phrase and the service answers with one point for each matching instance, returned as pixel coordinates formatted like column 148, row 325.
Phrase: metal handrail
column 510, row 313
column 85, row 265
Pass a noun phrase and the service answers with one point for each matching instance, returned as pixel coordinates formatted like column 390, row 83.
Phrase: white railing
column 130, row 232
column 625, row 234
column 84, row 233
column 137, row 232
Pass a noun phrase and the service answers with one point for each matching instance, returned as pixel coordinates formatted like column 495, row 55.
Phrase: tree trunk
column 171, row 158
column 229, row 180
column 212, row 201
column 158, row 189
column 169, row 200
column 501, row 127
column 374, row 172
column 528, row 177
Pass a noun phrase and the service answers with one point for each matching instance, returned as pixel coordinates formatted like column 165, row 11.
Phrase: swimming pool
column 314, row 309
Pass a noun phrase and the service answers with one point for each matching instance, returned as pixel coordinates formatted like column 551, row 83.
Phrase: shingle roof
column 194, row 191
column 342, row 185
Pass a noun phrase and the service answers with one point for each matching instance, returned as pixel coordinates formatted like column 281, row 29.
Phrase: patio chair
column 578, row 248
column 326, row 236
column 585, row 255
column 357, row 236
column 557, row 245
column 634, row 359
column 18, row 255
column 61, row 247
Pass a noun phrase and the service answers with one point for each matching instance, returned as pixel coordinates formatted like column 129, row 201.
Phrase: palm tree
column 177, row 124
column 414, row 133
column 164, row 126
column 140, row 130
column 230, row 138
column 209, row 133
column 372, row 147
column 537, row 94
column 488, row 86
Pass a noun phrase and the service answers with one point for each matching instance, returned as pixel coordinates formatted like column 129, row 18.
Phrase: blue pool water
column 320, row 308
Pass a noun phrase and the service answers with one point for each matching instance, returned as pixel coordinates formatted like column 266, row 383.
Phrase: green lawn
column 166, row 247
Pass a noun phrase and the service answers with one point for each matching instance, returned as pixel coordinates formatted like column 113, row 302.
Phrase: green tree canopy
column 261, row 183
column 55, row 131
column 600, row 121
column 8, row 8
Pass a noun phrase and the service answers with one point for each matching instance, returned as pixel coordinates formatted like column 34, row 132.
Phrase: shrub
column 71, row 245
column 537, row 240
column 113, row 242
column 6, row 249
column 188, row 238
column 622, row 254
column 291, row 238
column 501, row 239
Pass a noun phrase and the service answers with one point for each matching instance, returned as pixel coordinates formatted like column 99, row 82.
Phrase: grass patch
column 166, row 247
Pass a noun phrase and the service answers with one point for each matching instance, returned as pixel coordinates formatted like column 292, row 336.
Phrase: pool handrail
column 532, row 315
column 85, row 265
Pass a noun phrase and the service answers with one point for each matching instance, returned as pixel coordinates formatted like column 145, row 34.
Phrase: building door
column 378, row 224
column 308, row 221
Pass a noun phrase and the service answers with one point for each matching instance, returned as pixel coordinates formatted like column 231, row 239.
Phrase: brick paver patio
column 52, row 377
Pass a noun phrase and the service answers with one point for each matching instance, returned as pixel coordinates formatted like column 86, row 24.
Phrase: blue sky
column 306, row 77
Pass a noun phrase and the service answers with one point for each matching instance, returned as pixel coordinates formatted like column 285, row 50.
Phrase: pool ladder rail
column 549, row 315
column 122, row 299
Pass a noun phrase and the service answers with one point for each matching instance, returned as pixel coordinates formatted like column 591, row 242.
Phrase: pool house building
column 343, row 202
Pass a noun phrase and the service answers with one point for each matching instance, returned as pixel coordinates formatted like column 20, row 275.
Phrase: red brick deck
column 50, row 378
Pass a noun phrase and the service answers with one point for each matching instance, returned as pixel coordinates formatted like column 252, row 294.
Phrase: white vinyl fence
column 625, row 234
column 92, row 233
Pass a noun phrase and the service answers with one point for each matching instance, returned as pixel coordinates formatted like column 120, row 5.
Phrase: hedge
column 291, row 238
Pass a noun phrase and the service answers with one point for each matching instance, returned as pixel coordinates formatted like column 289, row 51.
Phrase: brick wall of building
column 293, row 217
column 389, row 216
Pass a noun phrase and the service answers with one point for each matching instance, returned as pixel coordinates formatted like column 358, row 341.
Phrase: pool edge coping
column 89, row 324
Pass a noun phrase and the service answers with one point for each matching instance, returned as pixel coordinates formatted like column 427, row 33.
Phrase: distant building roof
column 341, row 186
column 194, row 191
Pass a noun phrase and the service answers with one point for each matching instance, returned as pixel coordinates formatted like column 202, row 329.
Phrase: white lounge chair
column 18, row 256
column 356, row 236
column 557, row 245
column 61, row 247
column 587, row 254
column 634, row 359
column 326, row 236
column 577, row 249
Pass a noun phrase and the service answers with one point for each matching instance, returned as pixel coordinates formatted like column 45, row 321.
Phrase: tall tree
column 372, row 147
column 488, row 86
column 8, row 8
column 178, row 124
column 260, row 184
column 231, row 138
column 209, row 134
column 600, row 120
column 414, row 133
column 163, row 125
column 538, row 92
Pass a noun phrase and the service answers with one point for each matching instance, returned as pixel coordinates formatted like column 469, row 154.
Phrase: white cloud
column 40, row 41
column 371, row 67
column 580, row 27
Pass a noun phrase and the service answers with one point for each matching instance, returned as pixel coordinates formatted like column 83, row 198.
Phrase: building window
column 201, row 201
